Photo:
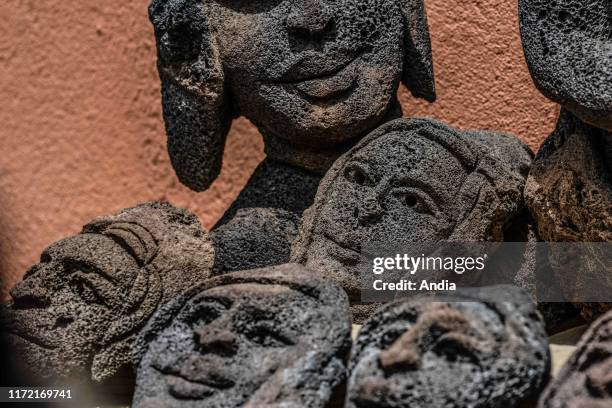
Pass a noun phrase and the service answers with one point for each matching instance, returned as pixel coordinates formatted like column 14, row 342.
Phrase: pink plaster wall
column 81, row 132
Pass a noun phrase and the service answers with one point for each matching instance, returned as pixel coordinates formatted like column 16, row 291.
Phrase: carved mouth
column 186, row 388
column 321, row 82
column 343, row 252
column 29, row 339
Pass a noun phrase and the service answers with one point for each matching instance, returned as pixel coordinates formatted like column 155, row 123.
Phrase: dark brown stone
column 76, row 313
column 569, row 194
column 586, row 379
column 477, row 348
column 412, row 181
column 268, row 337
column 568, row 48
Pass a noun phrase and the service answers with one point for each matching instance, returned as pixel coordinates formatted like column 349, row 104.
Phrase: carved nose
column 309, row 17
column 369, row 211
column 216, row 340
column 30, row 293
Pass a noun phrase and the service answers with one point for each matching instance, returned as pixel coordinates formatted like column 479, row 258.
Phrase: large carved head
column 568, row 46
column 312, row 73
column 586, row 378
column 260, row 338
column 76, row 313
column 478, row 348
column 412, row 181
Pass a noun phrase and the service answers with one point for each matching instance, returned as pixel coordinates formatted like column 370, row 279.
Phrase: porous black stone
column 257, row 230
column 268, row 337
column 568, row 47
column 586, row 379
column 413, row 181
column 474, row 348
column 76, row 313
column 313, row 76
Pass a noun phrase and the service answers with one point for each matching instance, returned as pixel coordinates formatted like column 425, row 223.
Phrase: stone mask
column 269, row 337
column 76, row 313
column 310, row 74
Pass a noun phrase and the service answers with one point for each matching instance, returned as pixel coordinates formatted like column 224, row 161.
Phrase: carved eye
column 207, row 310
column 415, row 200
column 86, row 290
column 265, row 336
column 357, row 174
column 389, row 337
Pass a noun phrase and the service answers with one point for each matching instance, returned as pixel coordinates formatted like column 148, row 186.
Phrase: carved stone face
column 586, row 379
column 569, row 52
column 313, row 71
column 410, row 181
column 76, row 312
column 397, row 187
column 65, row 304
column 472, row 352
column 246, row 344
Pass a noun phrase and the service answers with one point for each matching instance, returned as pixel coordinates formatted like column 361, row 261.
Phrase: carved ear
column 196, row 108
column 418, row 63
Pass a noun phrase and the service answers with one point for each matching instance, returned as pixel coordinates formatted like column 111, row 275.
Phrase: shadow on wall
column 5, row 280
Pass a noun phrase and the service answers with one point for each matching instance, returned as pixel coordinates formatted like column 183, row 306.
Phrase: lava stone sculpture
column 77, row 312
column 412, row 181
column 261, row 338
column 476, row 348
column 314, row 76
column 586, row 379
column 568, row 47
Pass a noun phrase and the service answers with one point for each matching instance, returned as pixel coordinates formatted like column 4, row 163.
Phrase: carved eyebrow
column 225, row 302
column 87, row 268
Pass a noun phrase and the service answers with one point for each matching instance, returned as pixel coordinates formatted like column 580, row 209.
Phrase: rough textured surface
column 80, row 82
column 259, row 227
column 486, row 348
column 266, row 337
column 254, row 238
column 585, row 380
column 312, row 76
column 412, row 181
column 568, row 47
column 569, row 194
column 77, row 312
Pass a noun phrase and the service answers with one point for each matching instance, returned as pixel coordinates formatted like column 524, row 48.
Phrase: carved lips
column 318, row 78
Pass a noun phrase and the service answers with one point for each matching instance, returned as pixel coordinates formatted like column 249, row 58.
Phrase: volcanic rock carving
column 568, row 47
column 586, row 379
column 314, row 76
column 478, row 348
column 412, row 180
column 77, row 312
column 260, row 338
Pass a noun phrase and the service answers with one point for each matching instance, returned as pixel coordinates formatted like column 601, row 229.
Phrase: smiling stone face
column 76, row 313
column 484, row 348
column 247, row 339
column 310, row 74
column 586, row 379
column 411, row 181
